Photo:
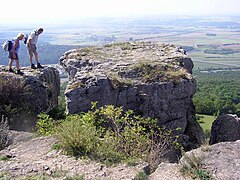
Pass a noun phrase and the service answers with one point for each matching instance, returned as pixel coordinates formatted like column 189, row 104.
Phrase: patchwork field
column 212, row 42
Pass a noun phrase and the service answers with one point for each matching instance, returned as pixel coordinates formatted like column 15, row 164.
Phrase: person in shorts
column 32, row 48
column 13, row 53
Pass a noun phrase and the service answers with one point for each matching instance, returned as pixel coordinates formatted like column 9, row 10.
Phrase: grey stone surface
column 40, row 91
column 168, row 171
column 152, row 79
column 221, row 161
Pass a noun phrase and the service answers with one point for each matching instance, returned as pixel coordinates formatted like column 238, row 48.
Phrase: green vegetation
column 191, row 166
column 58, row 113
column 158, row 72
column 220, row 51
column 110, row 136
column 4, row 176
column 118, row 81
column 11, row 89
column 141, row 176
column 205, row 122
column 4, row 158
column 218, row 93
column 46, row 122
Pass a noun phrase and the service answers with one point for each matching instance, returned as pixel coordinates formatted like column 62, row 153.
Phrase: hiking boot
column 19, row 72
column 33, row 66
column 11, row 70
column 39, row 65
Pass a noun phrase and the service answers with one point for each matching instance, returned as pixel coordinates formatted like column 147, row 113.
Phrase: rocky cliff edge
column 152, row 79
column 34, row 92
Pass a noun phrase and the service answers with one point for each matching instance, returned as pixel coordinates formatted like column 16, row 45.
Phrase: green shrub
column 45, row 124
column 77, row 135
column 111, row 136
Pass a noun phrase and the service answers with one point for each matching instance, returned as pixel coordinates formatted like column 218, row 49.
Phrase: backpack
column 25, row 39
column 7, row 46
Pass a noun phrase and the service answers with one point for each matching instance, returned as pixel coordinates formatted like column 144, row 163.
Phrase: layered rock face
column 36, row 91
column 152, row 79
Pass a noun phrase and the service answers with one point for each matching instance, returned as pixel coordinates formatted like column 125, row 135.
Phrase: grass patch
column 192, row 166
column 77, row 177
column 141, row 176
column 158, row 73
column 75, row 85
column 205, row 122
column 4, row 176
column 4, row 158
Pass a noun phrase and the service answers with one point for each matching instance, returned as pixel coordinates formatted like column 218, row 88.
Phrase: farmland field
column 211, row 42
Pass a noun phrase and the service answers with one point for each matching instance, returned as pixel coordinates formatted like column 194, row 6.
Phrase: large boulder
column 225, row 128
column 152, row 79
column 23, row 97
column 219, row 161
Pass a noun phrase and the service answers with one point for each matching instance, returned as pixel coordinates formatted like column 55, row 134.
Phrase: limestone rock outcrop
column 225, row 128
column 220, row 161
column 152, row 79
column 36, row 91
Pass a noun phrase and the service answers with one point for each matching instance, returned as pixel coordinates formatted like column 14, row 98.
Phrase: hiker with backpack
column 13, row 53
column 32, row 49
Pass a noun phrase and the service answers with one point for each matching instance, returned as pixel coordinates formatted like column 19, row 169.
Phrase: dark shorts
column 10, row 55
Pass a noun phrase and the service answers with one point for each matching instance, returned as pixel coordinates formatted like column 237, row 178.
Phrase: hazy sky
column 55, row 10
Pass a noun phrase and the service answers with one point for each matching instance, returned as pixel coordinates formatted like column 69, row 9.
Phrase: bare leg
column 36, row 56
column 10, row 63
column 30, row 58
column 17, row 64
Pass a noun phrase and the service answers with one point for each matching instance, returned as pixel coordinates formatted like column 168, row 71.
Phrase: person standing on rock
column 13, row 53
column 32, row 49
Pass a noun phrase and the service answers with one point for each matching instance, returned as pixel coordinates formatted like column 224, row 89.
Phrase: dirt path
column 31, row 156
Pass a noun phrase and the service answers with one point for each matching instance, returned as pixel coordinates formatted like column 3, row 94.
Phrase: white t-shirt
column 33, row 36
